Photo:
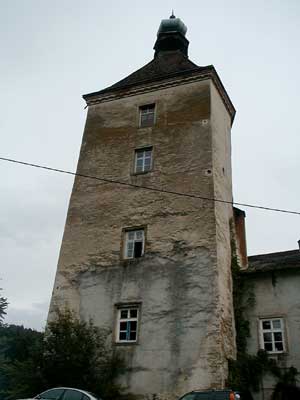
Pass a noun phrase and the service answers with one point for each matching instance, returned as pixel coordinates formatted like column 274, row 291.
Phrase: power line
column 153, row 189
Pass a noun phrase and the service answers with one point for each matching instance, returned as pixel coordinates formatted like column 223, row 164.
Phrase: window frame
column 129, row 307
column 144, row 107
column 272, row 331
column 143, row 150
column 125, row 234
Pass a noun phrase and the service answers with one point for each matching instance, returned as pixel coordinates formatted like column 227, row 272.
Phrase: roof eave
column 112, row 89
column 207, row 72
column 268, row 270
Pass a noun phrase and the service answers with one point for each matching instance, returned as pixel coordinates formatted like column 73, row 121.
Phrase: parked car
column 225, row 394
column 66, row 393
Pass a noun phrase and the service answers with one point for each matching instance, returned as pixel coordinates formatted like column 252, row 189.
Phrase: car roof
column 71, row 388
column 210, row 390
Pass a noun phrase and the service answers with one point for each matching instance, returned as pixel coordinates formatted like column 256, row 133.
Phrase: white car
column 66, row 393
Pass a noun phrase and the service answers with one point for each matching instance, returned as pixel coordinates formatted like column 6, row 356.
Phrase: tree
column 71, row 353
column 76, row 354
column 286, row 388
column 20, row 354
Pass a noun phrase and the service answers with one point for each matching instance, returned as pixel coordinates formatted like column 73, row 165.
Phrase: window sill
column 141, row 173
column 131, row 261
column 146, row 128
column 126, row 344
column 277, row 353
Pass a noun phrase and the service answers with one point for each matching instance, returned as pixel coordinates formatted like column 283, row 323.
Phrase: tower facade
column 150, row 266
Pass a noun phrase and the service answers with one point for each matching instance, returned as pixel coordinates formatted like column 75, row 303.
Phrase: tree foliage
column 76, row 354
column 71, row 353
column 20, row 351
column 243, row 298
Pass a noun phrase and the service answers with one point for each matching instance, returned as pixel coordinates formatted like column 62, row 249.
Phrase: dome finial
column 171, row 36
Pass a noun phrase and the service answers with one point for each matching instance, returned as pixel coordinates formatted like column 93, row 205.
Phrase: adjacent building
column 275, row 317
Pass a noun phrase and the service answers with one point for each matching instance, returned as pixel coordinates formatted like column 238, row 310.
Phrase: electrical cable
column 113, row 181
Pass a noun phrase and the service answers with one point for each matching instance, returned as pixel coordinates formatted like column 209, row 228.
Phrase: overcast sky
column 54, row 51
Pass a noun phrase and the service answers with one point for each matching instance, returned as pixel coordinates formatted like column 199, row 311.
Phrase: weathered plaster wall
column 276, row 295
column 222, row 178
column 183, row 280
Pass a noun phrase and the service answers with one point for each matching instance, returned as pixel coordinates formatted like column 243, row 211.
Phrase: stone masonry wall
column 182, row 282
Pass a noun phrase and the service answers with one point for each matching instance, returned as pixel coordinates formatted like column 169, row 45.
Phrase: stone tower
column 153, row 267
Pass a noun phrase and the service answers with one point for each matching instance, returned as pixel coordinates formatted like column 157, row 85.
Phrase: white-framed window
column 272, row 335
column 143, row 160
column 134, row 243
column 127, row 324
column 147, row 115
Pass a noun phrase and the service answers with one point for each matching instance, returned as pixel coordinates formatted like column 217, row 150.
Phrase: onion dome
column 171, row 36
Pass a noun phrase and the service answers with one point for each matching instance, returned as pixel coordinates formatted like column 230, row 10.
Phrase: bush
column 71, row 353
column 76, row 355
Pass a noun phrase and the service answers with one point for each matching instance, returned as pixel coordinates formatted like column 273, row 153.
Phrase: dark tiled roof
column 273, row 262
column 165, row 65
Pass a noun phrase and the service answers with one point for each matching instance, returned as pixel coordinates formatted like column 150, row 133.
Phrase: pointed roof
column 170, row 61
column 160, row 67
column 165, row 65
column 170, row 57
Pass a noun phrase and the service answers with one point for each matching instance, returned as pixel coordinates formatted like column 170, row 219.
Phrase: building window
column 134, row 243
column 272, row 335
column 147, row 115
column 127, row 324
column 143, row 160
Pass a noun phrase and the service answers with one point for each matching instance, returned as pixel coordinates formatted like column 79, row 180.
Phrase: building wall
column 183, row 281
column 276, row 295
column 222, row 178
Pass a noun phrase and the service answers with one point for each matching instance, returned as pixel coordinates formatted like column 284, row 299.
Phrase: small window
column 127, row 324
column 143, row 160
column 272, row 335
column 134, row 243
column 147, row 115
